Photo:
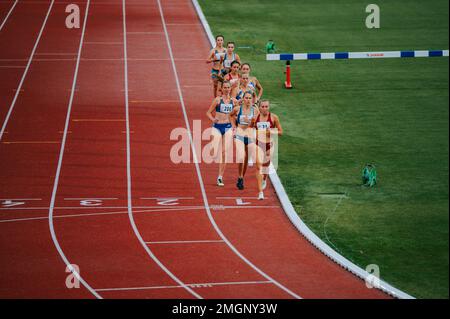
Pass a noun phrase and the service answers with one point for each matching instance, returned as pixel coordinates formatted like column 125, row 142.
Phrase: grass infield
column 342, row 114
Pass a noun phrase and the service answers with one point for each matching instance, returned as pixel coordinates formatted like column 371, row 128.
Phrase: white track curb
column 295, row 219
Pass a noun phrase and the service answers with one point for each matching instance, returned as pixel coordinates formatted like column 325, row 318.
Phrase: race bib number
column 226, row 108
column 244, row 120
column 263, row 125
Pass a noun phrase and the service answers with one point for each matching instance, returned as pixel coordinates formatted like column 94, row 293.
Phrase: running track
column 86, row 176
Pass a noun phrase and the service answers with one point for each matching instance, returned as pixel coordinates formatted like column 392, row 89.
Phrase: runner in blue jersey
column 222, row 127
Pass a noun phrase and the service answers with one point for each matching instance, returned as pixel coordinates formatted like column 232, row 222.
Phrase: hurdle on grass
column 288, row 57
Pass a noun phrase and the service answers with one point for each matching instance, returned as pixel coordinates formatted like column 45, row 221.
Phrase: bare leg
column 256, row 151
column 245, row 161
column 222, row 163
column 240, row 157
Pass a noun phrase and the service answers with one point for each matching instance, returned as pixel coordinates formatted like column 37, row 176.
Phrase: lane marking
column 19, row 88
column 165, row 198
column 26, row 199
column 94, row 214
column 200, row 178
column 57, row 54
column 141, row 207
column 145, row 32
column 103, row 43
column 90, row 198
column 31, row 142
column 98, row 120
column 99, row 59
column 154, row 101
column 184, row 242
column 193, row 285
column 12, row 66
column 61, row 155
column 237, row 197
column 129, row 199
column 183, row 24
column 9, row 13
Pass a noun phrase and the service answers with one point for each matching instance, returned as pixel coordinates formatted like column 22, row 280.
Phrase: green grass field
column 344, row 113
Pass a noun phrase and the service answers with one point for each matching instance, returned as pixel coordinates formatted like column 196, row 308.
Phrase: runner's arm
column 260, row 89
column 211, row 109
column 279, row 129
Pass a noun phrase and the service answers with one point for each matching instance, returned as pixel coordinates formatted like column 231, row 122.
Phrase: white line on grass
column 202, row 186
column 61, row 155
column 130, row 205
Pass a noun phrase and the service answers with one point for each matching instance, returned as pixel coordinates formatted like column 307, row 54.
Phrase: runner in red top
column 233, row 77
column 267, row 125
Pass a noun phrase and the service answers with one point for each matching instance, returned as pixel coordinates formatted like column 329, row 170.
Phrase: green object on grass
column 270, row 46
column 369, row 175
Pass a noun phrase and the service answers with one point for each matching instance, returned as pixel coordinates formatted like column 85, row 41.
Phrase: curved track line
column 9, row 13
column 58, row 170
column 197, row 167
column 8, row 115
column 130, row 204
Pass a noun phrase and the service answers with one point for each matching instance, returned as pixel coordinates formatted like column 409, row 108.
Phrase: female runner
column 267, row 125
column 229, row 57
column 245, row 117
column 244, row 86
column 233, row 77
column 253, row 82
column 222, row 135
column 216, row 57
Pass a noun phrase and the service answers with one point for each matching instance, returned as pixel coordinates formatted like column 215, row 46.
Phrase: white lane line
column 13, row 103
column 199, row 175
column 146, row 32
column 98, row 120
column 184, row 242
column 183, row 24
column 92, row 214
column 96, row 59
column 154, row 101
column 138, row 207
column 26, row 199
column 193, row 285
column 12, row 66
column 148, row 198
column 243, row 197
column 89, row 198
column 7, row 16
column 104, row 43
column 61, row 156
column 57, row 54
column 130, row 204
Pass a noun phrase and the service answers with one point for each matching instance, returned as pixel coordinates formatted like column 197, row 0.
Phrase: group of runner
column 239, row 113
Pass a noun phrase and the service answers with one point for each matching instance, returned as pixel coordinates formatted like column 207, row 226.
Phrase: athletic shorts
column 214, row 74
column 223, row 128
column 264, row 146
column 245, row 139
column 224, row 72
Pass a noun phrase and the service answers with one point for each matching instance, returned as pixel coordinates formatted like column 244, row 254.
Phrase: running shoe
column 220, row 182
column 261, row 196
column 240, row 183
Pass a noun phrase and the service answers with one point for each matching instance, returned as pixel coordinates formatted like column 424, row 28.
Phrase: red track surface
column 101, row 240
